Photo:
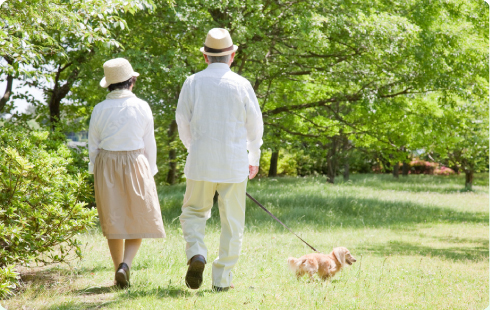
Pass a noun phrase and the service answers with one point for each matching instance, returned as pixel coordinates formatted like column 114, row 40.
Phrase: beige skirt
column 126, row 196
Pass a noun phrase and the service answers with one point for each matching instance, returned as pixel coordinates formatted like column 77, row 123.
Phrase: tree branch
column 292, row 132
column 8, row 91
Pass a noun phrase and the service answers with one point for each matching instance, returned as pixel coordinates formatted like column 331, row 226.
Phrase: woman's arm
column 93, row 141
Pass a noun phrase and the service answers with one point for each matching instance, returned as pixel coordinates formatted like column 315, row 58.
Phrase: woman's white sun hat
column 218, row 43
column 117, row 70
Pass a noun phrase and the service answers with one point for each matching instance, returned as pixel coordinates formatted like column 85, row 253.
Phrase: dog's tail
column 294, row 263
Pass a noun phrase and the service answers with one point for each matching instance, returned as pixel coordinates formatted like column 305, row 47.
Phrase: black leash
column 265, row 209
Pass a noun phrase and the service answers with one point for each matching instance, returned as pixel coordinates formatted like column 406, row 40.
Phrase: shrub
column 444, row 171
column 8, row 281
column 286, row 165
column 41, row 194
column 422, row 167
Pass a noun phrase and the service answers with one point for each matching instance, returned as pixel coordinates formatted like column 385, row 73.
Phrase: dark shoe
column 122, row 275
column 193, row 278
column 220, row 289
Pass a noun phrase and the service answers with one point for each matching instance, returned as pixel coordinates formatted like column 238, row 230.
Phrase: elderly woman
column 122, row 153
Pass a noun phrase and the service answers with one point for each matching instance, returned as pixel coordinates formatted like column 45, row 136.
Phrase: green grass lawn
column 421, row 242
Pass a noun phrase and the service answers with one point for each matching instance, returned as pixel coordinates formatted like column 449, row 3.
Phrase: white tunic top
column 122, row 122
column 219, row 119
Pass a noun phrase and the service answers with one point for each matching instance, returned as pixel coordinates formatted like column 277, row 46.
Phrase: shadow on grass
column 348, row 210
column 81, row 305
column 159, row 292
column 131, row 294
column 414, row 183
column 320, row 206
column 352, row 211
column 96, row 290
column 479, row 253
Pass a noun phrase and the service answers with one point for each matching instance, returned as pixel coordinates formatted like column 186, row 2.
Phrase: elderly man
column 219, row 119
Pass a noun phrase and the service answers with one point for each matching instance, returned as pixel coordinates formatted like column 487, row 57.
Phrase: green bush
column 286, row 165
column 41, row 199
column 8, row 281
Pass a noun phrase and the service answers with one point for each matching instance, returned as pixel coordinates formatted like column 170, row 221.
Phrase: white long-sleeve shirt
column 122, row 124
column 219, row 119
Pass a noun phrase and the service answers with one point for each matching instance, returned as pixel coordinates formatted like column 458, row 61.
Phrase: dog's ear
column 340, row 255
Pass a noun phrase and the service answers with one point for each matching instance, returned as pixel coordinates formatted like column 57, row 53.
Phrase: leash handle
column 272, row 215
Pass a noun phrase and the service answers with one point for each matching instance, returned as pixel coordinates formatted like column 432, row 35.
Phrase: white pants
column 196, row 210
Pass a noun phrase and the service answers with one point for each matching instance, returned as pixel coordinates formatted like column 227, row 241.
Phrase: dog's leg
column 311, row 273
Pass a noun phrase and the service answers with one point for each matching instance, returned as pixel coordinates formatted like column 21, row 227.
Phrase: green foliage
column 461, row 134
column 33, row 30
column 286, row 165
column 41, row 194
column 8, row 281
column 378, row 76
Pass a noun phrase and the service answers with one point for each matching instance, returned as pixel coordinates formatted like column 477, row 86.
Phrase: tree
column 327, row 71
column 324, row 72
column 46, row 43
column 464, row 142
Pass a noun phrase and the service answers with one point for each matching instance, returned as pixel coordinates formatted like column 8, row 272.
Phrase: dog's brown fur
column 326, row 265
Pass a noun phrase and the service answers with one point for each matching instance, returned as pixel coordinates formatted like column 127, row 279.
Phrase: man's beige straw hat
column 117, row 70
column 218, row 43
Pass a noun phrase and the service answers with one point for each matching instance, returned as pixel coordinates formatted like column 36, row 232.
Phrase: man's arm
column 150, row 143
column 183, row 115
column 255, row 130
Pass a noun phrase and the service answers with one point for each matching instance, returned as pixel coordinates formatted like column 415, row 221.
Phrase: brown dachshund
column 326, row 265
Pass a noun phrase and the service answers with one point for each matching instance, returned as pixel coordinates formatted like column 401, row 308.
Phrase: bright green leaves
column 42, row 206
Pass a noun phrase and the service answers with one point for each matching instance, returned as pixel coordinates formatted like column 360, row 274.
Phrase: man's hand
column 253, row 171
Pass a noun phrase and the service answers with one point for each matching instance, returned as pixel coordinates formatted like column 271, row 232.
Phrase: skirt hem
column 134, row 236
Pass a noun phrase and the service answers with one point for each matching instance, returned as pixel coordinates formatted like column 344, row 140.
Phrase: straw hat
column 218, row 43
column 117, row 70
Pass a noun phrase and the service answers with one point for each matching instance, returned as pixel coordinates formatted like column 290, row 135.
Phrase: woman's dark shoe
column 193, row 278
column 122, row 276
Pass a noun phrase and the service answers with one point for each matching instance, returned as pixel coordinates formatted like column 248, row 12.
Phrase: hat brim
column 104, row 84
column 219, row 54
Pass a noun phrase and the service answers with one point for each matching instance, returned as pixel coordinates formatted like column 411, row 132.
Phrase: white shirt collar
column 120, row 93
column 219, row 66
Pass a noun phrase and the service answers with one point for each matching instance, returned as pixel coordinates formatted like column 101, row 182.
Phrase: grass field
column 421, row 242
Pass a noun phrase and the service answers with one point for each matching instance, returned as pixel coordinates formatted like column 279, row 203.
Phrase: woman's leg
column 131, row 247
column 117, row 251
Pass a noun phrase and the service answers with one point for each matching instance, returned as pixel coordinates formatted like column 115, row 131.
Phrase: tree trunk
column 59, row 92
column 469, row 179
column 346, row 147
column 8, row 91
column 54, row 108
column 405, row 169
column 332, row 161
column 396, row 170
column 273, row 167
column 346, row 171
column 172, row 154
column 331, row 171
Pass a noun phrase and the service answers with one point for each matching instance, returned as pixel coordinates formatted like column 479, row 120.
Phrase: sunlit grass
column 421, row 243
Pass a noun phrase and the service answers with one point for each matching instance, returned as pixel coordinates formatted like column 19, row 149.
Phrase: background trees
column 332, row 77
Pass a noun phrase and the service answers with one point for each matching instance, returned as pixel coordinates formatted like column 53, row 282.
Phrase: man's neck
column 219, row 64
